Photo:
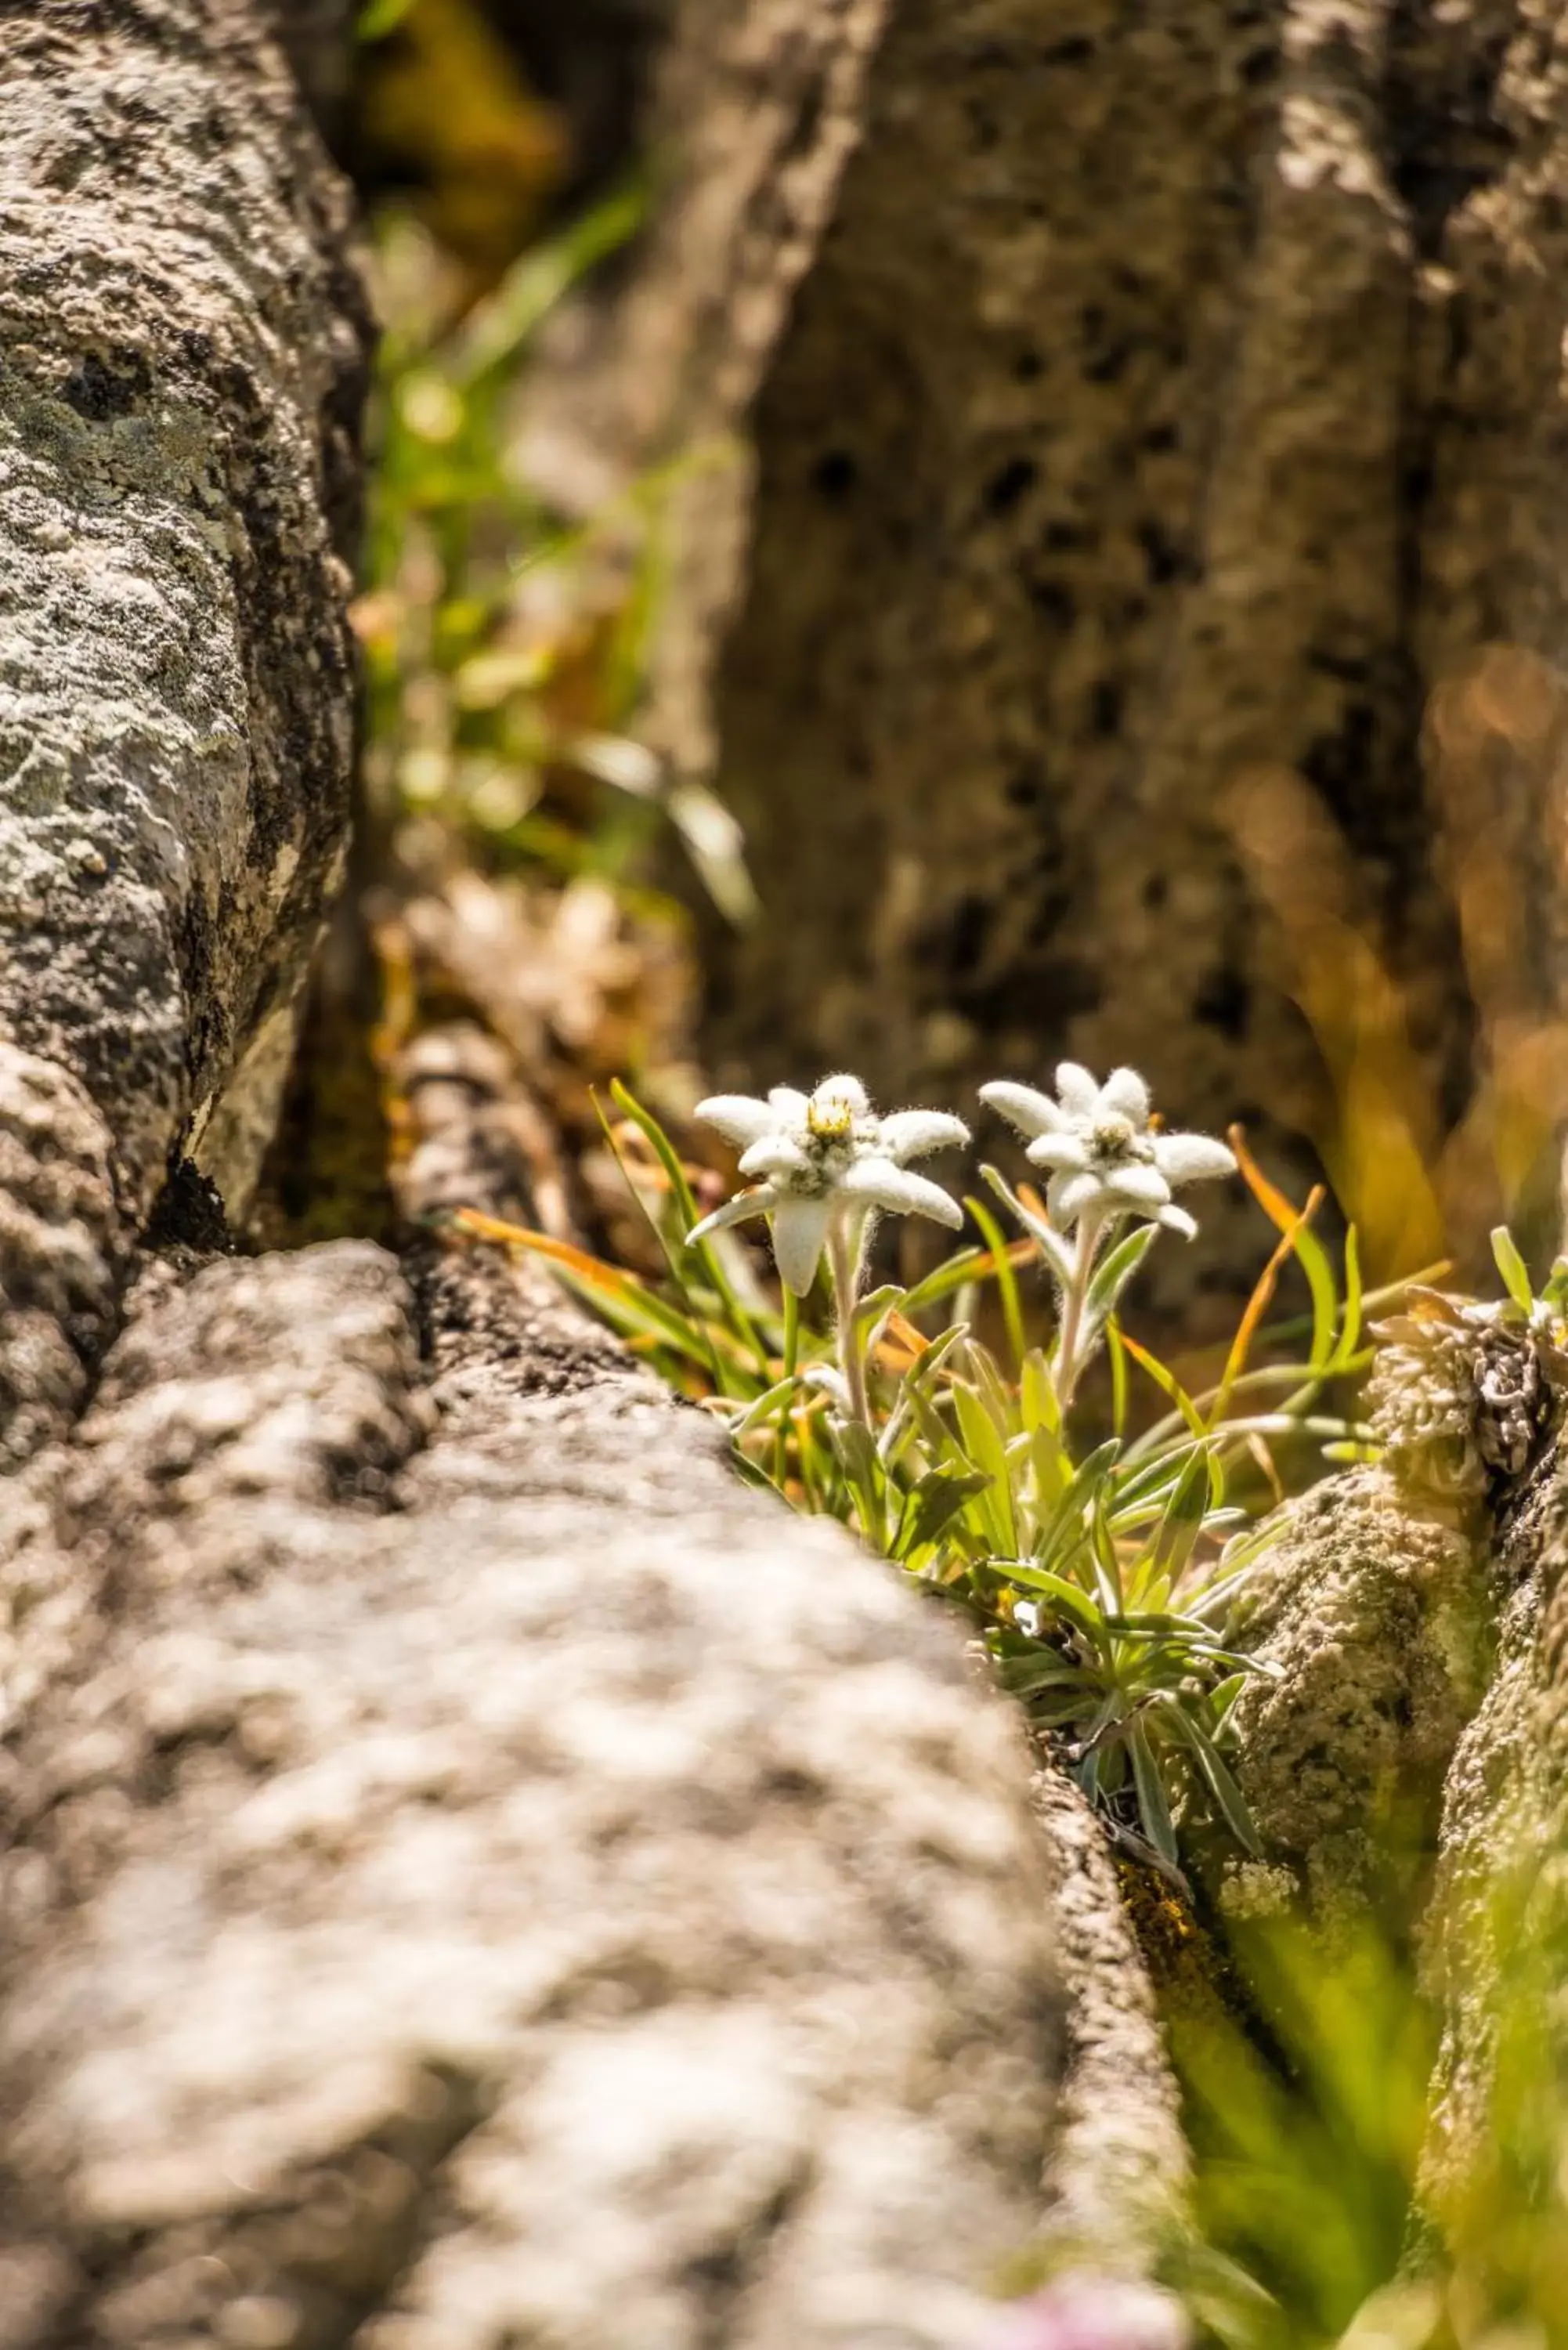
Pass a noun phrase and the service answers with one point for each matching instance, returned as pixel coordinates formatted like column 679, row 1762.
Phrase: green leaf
column 1082, row 1489
column 497, row 327
column 1350, row 1328
column 1227, row 1795
column 855, row 1448
column 965, row 1266
column 1117, row 1355
column 705, row 1256
column 1154, row 1809
column 380, row 18
column 1512, row 1267
column 1037, row 1404
column 1118, row 1268
column 1006, row 1283
column 1051, row 1246
column 1313, row 1258
column 983, row 1442
column 931, row 1506
column 781, row 1394
column 1103, row 1553
column 1075, row 1603
column 1184, row 1514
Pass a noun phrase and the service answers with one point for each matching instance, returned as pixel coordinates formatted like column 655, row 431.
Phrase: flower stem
column 844, row 1256
column 1072, row 1351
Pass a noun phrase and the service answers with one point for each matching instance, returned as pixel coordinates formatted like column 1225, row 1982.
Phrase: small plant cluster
column 1100, row 1556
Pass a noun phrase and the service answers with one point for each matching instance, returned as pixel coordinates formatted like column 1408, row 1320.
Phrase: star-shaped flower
column 825, row 1154
column 1102, row 1157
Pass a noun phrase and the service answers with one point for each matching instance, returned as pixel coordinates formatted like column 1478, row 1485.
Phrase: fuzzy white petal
column 1067, row 1196
column 910, row 1133
column 800, row 1228
column 1177, row 1220
column 776, row 1154
column 1030, row 1111
column 1139, row 1187
column 1080, row 1095
column 1191, row 1158
column 788, row 1105
column 1060, row 1151
column 735, row 1211
column 883, row 1185
column 845, row 1088
column 1126, row 1092
column 737, row 1117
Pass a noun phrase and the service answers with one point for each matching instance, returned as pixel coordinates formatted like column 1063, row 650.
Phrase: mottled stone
column 1496, row 1938
column 1374, row 1622
column 181, row 361
column 498, row 1879
column 1120, row 2175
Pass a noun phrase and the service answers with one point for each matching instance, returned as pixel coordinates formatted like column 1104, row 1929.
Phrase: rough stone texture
column 1378, row 1622
column 61, row 1248
column 181, row 361
column 1497, row 1932
column 523, row 1888
column 1120, row 2173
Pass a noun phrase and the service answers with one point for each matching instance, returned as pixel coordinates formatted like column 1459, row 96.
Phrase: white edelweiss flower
column 1097, row 1142
column 825, row 1154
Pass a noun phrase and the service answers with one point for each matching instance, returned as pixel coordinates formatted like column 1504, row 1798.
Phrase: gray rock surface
column 1120, row 2174
column 475, row 1874
column 1377, row 1621
column 1496, row 1938
column 181, row 359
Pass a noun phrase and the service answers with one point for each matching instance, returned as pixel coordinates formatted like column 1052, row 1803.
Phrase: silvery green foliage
column 1102, row 1157
column 825, row 1154
column 1464, row 1396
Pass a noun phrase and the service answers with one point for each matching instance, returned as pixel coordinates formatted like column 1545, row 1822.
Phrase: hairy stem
column 844, row 1256
column 1073, row 1346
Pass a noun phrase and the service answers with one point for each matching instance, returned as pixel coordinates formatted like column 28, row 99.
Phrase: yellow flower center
column 1113, row 1136
column 830, row 1116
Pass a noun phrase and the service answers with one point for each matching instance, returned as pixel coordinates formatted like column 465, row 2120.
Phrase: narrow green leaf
column 771, row 1401
column 1082, row 1488
column 1037, row 1404
column 982, row 1442
column 1154, row 1809
column 704, row 1254
column 1073, row 1602
column 1051, row 1246
column 1512, row 1267
column 1103, row 1553
column 1117, row 1355
column 929, row 1509
column 856, row 1452
column 1182, row 1522
column 377, row 18
column 1217, row 1777
column 497, row 327
column 1113, row 1276
column 1006, row 1283
column 1350, row 1327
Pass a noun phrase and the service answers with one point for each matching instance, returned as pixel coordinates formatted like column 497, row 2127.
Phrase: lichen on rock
column 1372, row 1625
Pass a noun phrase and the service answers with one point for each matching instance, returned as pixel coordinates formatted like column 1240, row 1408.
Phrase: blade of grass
column 1007, row 1282
column 1310, row 1253
column 1259, row 1302
column 653, row 1134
